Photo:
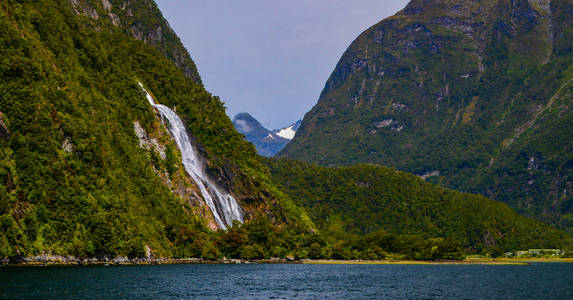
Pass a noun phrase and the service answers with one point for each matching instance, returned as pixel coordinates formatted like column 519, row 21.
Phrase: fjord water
column 248, row 281
column 223, row 206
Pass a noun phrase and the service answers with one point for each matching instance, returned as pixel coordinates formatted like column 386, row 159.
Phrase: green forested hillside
column 74, row 179
column 476, row 95
column 370, row 200
column 88, row 169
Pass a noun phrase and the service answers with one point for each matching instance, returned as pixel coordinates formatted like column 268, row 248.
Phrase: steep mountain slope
column 90, row 161
column 266, row 142
column 141, row 20
column 87, row 166
column 365, row 199
column 474, row 95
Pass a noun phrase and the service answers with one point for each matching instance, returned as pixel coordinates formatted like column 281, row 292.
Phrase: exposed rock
column 430, row 174
column 114, row 19
column 147, row 142
column 399, row 106
column 536, row 163
column 389, row 123
column 157, row 34
column 385, row 123
column 148, row 253
column 85, row 10
column 49, row 258
column 4, row 132
column 180, row 183
column 121, row 260
column 106, row 5
column 67, row 146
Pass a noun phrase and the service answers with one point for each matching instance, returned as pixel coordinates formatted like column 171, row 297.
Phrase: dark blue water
column 537, row 281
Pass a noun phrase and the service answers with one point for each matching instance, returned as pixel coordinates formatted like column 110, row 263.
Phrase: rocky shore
column 48, row 259
column 57, row 260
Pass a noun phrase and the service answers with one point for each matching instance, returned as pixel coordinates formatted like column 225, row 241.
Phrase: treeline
column 256, row 239
column 260, row 239
column 363, row 199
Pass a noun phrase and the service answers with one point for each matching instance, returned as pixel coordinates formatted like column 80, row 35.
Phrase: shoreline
column 122, row 261
column 467, row 261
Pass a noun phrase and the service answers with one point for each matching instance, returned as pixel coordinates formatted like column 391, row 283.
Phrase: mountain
column 143, row 21
column 472, row 95
column 288, row 132
column 267, row 142
column 112, row 149
column 111, row 146
column 353, row 203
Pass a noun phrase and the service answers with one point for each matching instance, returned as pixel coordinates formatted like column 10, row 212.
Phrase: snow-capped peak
column 287, row 133
column 267, row 142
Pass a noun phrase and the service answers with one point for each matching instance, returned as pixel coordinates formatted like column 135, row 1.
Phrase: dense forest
column 477, row 95
column 371, row 200
column 74, row 179
column 87, row 168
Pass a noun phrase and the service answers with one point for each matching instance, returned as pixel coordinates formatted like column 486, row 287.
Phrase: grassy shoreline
column 470, row 261
column 467, row 261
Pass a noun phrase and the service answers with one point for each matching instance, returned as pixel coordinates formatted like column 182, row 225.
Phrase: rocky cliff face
column 141, row 20
column 470, row 90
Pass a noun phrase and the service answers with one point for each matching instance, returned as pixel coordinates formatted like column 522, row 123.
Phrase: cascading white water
column 223, row 206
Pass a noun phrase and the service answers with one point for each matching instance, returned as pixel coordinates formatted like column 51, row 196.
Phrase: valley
column 438, row 136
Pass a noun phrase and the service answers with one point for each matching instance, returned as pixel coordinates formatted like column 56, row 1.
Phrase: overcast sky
column 271, row 58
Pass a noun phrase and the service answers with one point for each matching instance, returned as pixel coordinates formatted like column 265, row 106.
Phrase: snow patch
column 287, row 133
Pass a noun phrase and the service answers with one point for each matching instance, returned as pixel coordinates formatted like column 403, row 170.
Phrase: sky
column 269, row 58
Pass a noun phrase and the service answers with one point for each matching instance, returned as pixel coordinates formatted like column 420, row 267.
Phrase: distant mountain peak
column 267, row 142
column 288, row 132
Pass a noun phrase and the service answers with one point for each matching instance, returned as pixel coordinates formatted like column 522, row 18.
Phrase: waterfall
column 223, row 206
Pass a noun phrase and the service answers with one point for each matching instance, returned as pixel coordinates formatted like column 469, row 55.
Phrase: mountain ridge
column 475, row 91
column 91, row 170
column 143, row 21
column 267, row 142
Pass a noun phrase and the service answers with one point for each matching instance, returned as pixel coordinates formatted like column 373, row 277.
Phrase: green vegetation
column 73, row 179
column 259, row 239
column 480, row 92
column 371, row 203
